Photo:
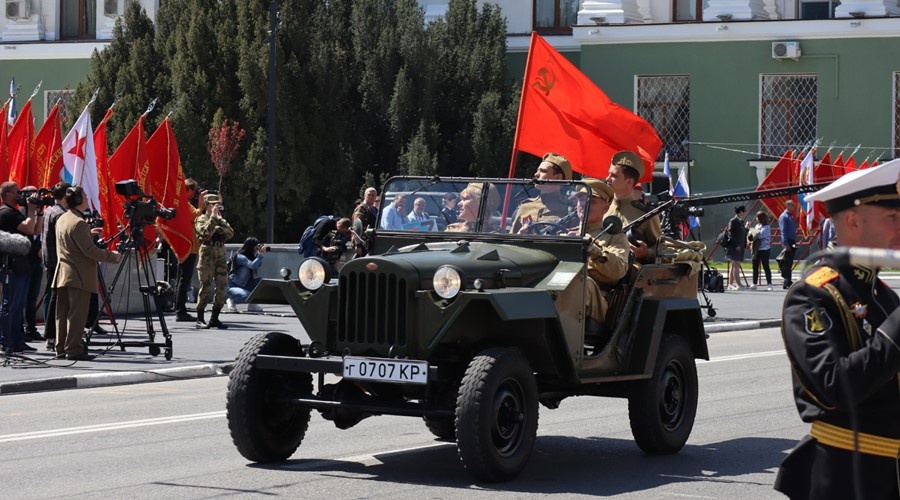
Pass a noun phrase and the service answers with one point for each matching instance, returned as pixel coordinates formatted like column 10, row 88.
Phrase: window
column 787, row 113
column 555, row 16
column 896, row 115
column 688, row 10
column 665, row 102
column 77, row 19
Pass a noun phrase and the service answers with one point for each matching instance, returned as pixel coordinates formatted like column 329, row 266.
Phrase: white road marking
column 8, row 438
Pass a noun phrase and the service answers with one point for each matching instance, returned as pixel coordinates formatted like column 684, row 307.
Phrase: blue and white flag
column 668, row 171
column 11, row 119
column 681, row 189
column 80, row 161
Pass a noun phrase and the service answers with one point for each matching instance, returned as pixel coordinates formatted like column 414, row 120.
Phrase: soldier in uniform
column 841, row 329
column 608, row 260
column 626, row 170
column 550, row 205
column 212, row 232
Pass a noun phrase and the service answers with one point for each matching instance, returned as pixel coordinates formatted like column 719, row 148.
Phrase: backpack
column 306, row 247
column 724, row 238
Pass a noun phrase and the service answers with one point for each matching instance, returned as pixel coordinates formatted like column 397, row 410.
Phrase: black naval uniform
column 841, row 328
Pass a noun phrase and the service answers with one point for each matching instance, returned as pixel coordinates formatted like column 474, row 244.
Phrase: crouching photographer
column 75, row 277
column 242, row 278
column 16, row 270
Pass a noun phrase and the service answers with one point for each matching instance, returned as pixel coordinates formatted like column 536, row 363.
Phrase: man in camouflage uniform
column 212, row 232
column 549, row 206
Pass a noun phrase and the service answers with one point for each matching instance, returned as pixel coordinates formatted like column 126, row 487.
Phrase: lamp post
column 270, row 148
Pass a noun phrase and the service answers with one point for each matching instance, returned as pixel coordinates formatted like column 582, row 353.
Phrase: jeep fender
column 660, row 316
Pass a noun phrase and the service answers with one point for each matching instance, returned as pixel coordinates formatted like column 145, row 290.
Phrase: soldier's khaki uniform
column 548, row 207
column 605, row 267
column 212, row 233
column 649, row 231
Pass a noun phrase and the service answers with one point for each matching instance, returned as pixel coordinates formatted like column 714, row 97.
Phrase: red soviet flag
column 167, row 183
column 20, row 138
column 4, row 146
column 110, row 201
column 562, row 110
column 778, row 177
column 46, row 154
column 130, row 162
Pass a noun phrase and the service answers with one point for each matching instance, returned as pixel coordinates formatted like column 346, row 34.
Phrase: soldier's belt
column 214, row 244
column 841, row 438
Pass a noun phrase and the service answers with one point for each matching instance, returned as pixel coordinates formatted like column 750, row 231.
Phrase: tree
column 224, row 142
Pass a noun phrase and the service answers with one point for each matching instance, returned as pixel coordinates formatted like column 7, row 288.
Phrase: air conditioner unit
column 18, row 9
column 785, row 50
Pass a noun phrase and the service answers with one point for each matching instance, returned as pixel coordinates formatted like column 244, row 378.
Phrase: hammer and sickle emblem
column 546, row 80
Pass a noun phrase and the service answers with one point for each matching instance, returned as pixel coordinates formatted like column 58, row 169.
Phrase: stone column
column 737, row 10
column 108, row 11
column 23, row 22
column 867, row 8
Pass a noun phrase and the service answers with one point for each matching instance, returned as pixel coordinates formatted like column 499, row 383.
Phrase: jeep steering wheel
column 545, row 228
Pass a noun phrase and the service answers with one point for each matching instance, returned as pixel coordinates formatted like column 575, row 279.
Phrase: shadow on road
column 559, row 464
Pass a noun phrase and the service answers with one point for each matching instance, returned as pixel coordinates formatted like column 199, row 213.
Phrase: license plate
column 386, row 370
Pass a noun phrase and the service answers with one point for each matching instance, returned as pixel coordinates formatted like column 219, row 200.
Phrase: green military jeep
column 469, row 327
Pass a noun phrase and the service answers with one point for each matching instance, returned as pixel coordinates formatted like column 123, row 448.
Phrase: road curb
column 86, row 380
column 734, row 326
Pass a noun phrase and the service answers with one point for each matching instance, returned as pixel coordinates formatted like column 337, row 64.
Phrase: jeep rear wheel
column 263, row 426
column 443, row 428
column 662, row 409
column 497, row 415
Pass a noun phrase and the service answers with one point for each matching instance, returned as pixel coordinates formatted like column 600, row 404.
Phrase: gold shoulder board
column 822, row 276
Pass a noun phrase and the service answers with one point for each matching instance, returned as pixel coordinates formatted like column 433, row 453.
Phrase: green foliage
column 364, row 90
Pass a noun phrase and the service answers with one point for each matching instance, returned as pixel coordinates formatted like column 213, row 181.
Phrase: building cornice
column 734, row 31
column 50, row 50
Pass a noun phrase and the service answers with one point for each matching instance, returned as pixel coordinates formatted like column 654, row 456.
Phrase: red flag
column 129, row 161
column 108, row 205
column 864, row 165
column 167, row 184
column 4, row 146
column 779, row 176
column 20, row 139
column 838, row 165
column 562, row 110
column 850, row 165
column 46, row 153
column 825, row 170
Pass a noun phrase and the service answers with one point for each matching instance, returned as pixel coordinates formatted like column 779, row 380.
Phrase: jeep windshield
column 515, row 207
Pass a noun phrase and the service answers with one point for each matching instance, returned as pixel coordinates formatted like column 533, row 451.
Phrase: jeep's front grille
column 372, row 309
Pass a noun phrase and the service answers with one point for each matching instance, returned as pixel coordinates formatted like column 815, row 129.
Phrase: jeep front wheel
column 497, row 415
column 662, row 409
column 264, row 427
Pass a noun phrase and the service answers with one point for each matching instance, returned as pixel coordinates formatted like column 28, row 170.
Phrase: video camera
column 139, row 207
column 93, row 218
column 42, row 197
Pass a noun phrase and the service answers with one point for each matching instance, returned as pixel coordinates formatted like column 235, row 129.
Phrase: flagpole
column 515, row 146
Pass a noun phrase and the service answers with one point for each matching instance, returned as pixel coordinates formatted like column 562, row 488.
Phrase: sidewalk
column 196, row 353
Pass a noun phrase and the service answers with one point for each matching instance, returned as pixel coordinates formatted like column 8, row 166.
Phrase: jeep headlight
column 313, row 273
column 447, row 282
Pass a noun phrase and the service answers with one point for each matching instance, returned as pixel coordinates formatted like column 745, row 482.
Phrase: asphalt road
column 170, row 440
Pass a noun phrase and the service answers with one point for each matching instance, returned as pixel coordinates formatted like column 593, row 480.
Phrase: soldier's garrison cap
column 873, row 186
column 598, row 188
column 212, row 199
column 629, row 159
column 560, row 161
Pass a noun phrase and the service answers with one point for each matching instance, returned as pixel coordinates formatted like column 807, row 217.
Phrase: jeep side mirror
column 612, row 225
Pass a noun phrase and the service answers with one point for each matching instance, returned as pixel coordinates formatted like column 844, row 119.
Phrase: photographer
column 48, row 249
column 76, row 275
column 187, row 267
column 34, row 275
column 16, row 274
column 212, row 231
column 242, row 279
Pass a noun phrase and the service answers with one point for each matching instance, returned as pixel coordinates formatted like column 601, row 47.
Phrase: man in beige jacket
column 76, row 275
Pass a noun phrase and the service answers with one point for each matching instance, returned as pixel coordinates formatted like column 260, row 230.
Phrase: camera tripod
column 131, row 246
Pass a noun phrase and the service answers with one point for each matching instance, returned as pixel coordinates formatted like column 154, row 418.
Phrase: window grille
column 665, row 102
column 63, row 96
column 787, row 113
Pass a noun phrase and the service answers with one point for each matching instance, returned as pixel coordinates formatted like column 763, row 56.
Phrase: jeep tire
column 662, row 408
column 497, row 414
column 263, row 427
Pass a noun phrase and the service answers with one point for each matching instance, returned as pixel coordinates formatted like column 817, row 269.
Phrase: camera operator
column 34, row 275
column 212, row 231
column 48, row 249
column 17, row 274
column 242, row 279
column 76, row 275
